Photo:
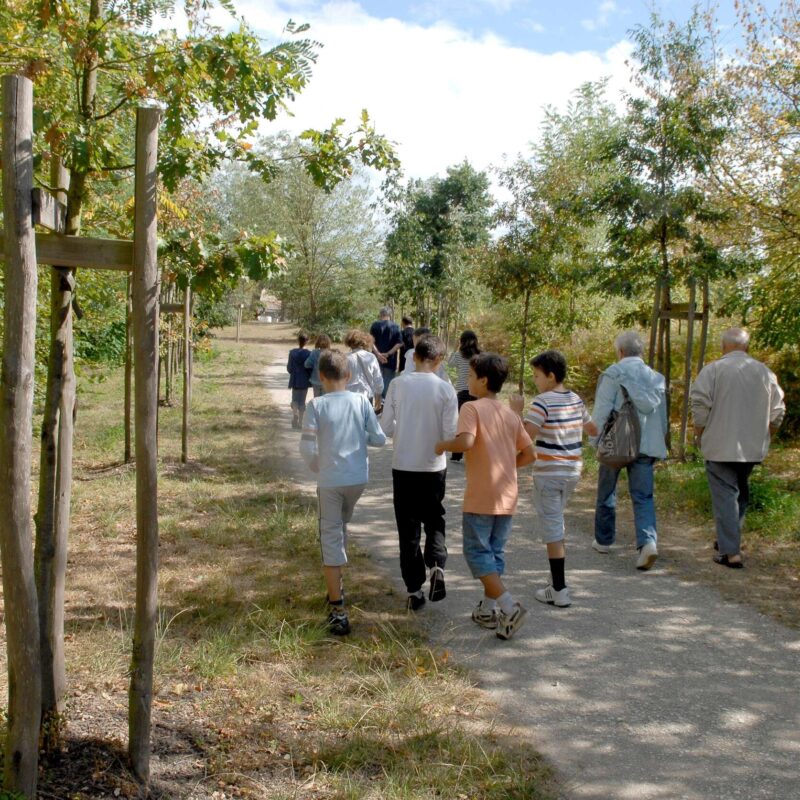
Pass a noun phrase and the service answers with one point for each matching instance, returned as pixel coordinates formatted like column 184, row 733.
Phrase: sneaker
column 507, row 624
column 338, row 622
column 415, row 602
column 601, row 548
column 484, row 617
column 553, row 598
column 647, row 556
column 437, row 591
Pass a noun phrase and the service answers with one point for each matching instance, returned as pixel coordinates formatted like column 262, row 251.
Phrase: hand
column 382, row 358
column 314, row 465
column 440, row 448
column 517, row 403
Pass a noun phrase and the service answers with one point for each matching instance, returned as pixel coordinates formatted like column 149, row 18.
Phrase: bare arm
column 526, row 456
column 460, row 444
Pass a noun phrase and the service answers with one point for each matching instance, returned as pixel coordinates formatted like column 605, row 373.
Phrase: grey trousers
column 336, row 506
column 730, row 496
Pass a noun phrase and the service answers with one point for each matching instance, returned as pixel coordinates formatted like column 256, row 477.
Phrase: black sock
column 339, row 602
column 557, row 571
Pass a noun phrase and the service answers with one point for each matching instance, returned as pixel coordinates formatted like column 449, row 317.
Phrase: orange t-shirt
column 492, row 460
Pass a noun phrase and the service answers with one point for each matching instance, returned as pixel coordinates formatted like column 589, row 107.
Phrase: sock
column 506, row 603
column 418, row 593
column 557, row 572
column 338, row 603
column 489, row 603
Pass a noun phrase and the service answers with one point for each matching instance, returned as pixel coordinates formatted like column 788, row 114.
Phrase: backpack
column 618, row 443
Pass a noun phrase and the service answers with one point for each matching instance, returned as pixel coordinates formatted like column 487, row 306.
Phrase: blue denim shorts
column 484, row 539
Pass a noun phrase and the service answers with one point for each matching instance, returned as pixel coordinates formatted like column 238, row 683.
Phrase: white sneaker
column 601, row 548
column 553, row 598
column 508, row 623
column 484, row 617
column 647, row 556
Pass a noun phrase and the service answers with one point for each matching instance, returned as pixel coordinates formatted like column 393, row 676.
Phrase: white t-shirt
column 420, row 410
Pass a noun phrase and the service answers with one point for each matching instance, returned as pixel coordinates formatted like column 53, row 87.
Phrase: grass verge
column 252, row 697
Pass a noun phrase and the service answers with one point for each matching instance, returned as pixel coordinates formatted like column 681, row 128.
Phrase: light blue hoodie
column 646, row 388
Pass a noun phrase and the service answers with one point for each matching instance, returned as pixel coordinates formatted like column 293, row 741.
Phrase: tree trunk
column 524, row 342
column 654, row 324
column 145, row 327
column 16, row 407
column 701, row 358
column 55, row 490
column 687, row 371
column 187, row 346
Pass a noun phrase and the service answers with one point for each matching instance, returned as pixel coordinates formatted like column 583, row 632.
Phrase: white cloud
column 440, row 93
column 604, row 10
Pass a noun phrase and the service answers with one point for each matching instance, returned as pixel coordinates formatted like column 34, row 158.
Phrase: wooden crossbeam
column 172, row 308
column 79, row 251
column 48, row 212
column 677, row 314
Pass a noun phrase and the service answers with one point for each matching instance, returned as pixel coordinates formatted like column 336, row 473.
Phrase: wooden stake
column 687, row 372
column 145, row 332
column 16, row 417
column 187, row 346
column 128, row 366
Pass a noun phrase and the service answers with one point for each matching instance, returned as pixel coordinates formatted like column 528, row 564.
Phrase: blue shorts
column 484, row 540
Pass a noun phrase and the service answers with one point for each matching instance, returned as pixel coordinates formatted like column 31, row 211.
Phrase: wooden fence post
column 187, row 356
column 128, row 366
column 687, row 372
column 16, row 407
column 145, row 331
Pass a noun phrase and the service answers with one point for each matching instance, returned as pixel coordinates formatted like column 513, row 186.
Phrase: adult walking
column 387, row 341
column 737, row 405
column 646, row 389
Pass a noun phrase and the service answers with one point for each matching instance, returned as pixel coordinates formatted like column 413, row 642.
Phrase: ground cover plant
column 253, row 698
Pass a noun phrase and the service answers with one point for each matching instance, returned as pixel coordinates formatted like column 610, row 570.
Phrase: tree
column 92, row 63
column 331, row 239
column 438, row 229
column 660, row 220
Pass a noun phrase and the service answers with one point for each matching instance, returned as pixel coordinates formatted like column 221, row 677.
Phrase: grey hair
column 629, row 343
column 385, row 312
column 736, row 337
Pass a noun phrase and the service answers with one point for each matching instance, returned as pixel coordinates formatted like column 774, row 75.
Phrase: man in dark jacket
column 299, row 379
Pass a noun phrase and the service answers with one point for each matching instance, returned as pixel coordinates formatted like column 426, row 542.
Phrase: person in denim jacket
column 647, row 390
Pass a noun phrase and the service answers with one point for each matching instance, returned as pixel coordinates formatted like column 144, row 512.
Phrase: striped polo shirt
column 462, row 370
column 560, row 417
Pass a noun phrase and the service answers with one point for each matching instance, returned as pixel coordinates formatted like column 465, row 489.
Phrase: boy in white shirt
column 420, row 410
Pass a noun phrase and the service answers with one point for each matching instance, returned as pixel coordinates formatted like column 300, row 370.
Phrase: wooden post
column 687, row 372
column 128, row 366
column 187, row 347
column 238, row 322
column 145, row 332
column 654, row 324
column 55, row 485
column 701, row 358
column 16, row 408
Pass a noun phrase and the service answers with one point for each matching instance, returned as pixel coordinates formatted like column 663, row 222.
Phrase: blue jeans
column 387, row 373
column 640, row 486
column 484, row 542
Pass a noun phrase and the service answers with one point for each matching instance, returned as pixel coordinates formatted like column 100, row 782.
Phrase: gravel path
column 646, row 687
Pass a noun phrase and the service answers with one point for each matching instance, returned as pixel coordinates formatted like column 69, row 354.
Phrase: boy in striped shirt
column 556, row 421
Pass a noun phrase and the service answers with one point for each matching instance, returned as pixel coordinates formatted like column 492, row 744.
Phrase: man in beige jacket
column 736, row 405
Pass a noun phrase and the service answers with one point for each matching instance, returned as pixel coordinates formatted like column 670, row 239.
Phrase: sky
column 449, row 80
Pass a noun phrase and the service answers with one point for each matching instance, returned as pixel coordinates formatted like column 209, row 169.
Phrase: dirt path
column 649, row 686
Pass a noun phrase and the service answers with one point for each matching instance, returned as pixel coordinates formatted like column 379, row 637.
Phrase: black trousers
column 418, row 504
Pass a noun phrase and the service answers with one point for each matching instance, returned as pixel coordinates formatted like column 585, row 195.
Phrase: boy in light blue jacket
column 337, row 428
column 647, row 390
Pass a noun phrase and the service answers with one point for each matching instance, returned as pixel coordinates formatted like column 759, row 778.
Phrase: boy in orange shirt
column 496, row 444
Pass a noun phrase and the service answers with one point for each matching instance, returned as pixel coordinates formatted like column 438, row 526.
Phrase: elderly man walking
column 387, row 341
column 736, row 405
column 646, row 389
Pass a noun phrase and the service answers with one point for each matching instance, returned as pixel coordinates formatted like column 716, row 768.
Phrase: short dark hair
column 323, row 342
column 429, row 348
column 551, row 362
column 423, row 331
column 301, row 339
column 333, row 365
column 491, row 366
column 407, row 321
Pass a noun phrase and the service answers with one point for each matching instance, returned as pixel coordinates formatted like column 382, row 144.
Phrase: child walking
column 410, row 364
column 459, row 360
column 338, row 427
column 298, row 379
column 496, row 444
column 323, row 342
column 419, row 410
column 365, row 371
column 556, row 421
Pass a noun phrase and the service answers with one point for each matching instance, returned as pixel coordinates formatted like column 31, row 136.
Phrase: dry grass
column 253, row 699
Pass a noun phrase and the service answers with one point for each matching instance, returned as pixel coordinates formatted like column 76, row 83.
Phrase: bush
column 786, row 366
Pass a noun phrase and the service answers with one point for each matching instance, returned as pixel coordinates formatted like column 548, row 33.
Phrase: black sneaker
column 438, row 591
column 415, row 602
column 338, row 623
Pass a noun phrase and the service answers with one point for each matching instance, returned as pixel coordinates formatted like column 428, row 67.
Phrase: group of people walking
column 393, row 384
